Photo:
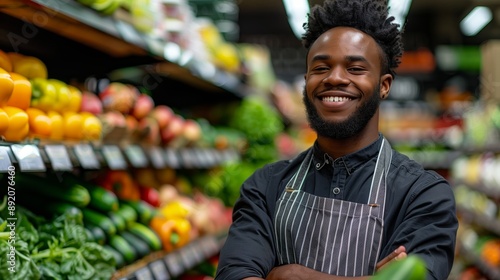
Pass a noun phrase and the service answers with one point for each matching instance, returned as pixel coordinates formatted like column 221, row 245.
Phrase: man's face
column 343, row 83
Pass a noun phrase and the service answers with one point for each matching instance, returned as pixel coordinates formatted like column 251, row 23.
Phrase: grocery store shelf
column 481, row 220
column 164, row 266
column 488, row 270
column 36, row 157
column 488, row 191
column 433, row 159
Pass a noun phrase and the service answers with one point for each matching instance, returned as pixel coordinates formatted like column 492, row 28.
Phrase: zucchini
column 95, row 218
column 97, row 233
column 90, row 236
column 144, row 210
column 43, row 188
column 120, row 261
column 146, row 234
column 101, row 199
column 118, row 221
column 47, row 207
column 123, row 247
column 140, row 246
column 410, row 268
column 127, row 213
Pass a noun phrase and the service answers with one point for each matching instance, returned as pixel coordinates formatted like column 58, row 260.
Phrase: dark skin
column 344, row 69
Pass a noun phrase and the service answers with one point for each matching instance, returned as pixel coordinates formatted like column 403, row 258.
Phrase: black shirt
column 419, row 210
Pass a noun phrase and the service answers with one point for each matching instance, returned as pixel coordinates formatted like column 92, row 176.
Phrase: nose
column 337, row 76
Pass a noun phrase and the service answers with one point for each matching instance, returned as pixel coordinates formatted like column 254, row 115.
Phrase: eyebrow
column 349, row 58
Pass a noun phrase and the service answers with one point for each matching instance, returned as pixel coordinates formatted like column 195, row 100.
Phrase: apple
column 90, row 103
column 191, row 130
column 173, row 129
column 163, row 114
column 143, row 106
column 149, row 130
column 118, row 97
column 132, row 123
column 114, row 119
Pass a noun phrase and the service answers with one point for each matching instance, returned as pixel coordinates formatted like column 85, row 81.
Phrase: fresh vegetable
column 95, row 218
column 43, row 94
column 21, row 93
column 173, row 232
column 62, row 96
column 75, row 99
column 118, row 221
column 4, row 121
column 410, row 268
column 39, row 123
column 29, row 66
column 44, row 187
column 150, row 195
column 144, row 211
column 120, row 261
column 140, row 246
column 72, row 126
column 5, row 62
column 57, row 124
column 18, row 128
column 146, row 234
column 98, row 235
column 6, row 87
column 121, row 183
column 127, row 213
column 123, row 247
column 91, row 126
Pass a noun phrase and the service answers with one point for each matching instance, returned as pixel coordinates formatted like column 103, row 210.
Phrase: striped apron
column 329, row 235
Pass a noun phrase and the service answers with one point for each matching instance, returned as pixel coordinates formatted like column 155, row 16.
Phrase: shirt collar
column 350, row 161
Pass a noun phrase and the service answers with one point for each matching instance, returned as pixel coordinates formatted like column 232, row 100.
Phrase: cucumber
column 410, row 268
column 48, row 187
column 101, row 199
column 95, row 218
column 146, row 234
column 118, row 221
column 120, row 261
column 123, row 247
column 140, row 246
column 127, row 213
column 97, row 233
column 145, row 211
column 47, row 207
column 90, row 236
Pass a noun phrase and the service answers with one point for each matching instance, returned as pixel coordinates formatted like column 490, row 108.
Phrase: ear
column 385, row 85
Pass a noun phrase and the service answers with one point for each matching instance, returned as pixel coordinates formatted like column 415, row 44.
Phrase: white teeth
column 335, row 99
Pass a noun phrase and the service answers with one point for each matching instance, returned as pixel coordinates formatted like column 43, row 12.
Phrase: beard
column 347, row 128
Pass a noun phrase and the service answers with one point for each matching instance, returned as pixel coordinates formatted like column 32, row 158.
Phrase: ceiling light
column 297, row 11
column 399, row 10
column 478, row 18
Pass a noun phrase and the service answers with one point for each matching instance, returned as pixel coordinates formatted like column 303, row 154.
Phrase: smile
column 336, row 99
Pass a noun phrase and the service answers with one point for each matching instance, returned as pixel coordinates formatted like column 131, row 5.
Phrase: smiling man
column 350, row 203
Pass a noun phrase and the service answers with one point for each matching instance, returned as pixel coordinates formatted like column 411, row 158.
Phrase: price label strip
column 86, row 156
column 136, row 156
column 156, row 157
column 114, row 157
column 144, row 274
column 5, row 162
column 159, row 270
column 59, row 157
column 28, row 157
column 174, row 264
column 172, row 158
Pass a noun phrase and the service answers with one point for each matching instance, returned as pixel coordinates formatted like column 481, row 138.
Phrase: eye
column 320, row 68
column 356, row 69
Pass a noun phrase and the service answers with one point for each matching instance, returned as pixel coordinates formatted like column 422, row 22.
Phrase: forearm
column 299, row 272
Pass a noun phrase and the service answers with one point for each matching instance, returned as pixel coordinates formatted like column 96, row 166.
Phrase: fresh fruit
column 91, row 127
column 5, row 62
column 21, row 93
column 162, row 114
column 75, row 99
column 90, row 103
column 118, row 97
column 6, row 87
column 143, row 106
column 191, row 130
column 173, row 129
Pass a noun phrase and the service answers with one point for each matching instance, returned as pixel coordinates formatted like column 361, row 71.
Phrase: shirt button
column 336, row 191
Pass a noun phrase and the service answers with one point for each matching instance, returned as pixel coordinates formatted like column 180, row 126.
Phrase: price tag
column 144, row 274
column 5, row 162
column 189, row 256
column 172, row 158
column 29, row 157
column 59, row 157
column 159, row 270
column 86, row 156
column 174, row 264
column 156, row 157
column 114, row 157
column 187, row 159
column 136, row 156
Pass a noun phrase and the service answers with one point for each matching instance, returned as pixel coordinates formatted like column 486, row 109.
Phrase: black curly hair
column 369, row 16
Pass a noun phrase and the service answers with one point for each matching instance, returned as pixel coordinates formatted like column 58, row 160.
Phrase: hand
column 397, row 254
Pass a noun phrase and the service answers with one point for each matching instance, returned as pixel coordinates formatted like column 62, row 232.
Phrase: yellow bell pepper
column 4, row 121
column 57, row 132
column 44, row 94
column 40, row 124
column 75, row 99
column 62, row 95
column 6, row 87
column 73, row 126
column 175, row 209
column 91, row 126
column 174, row 233
column 21, row 94
column 18, row 124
